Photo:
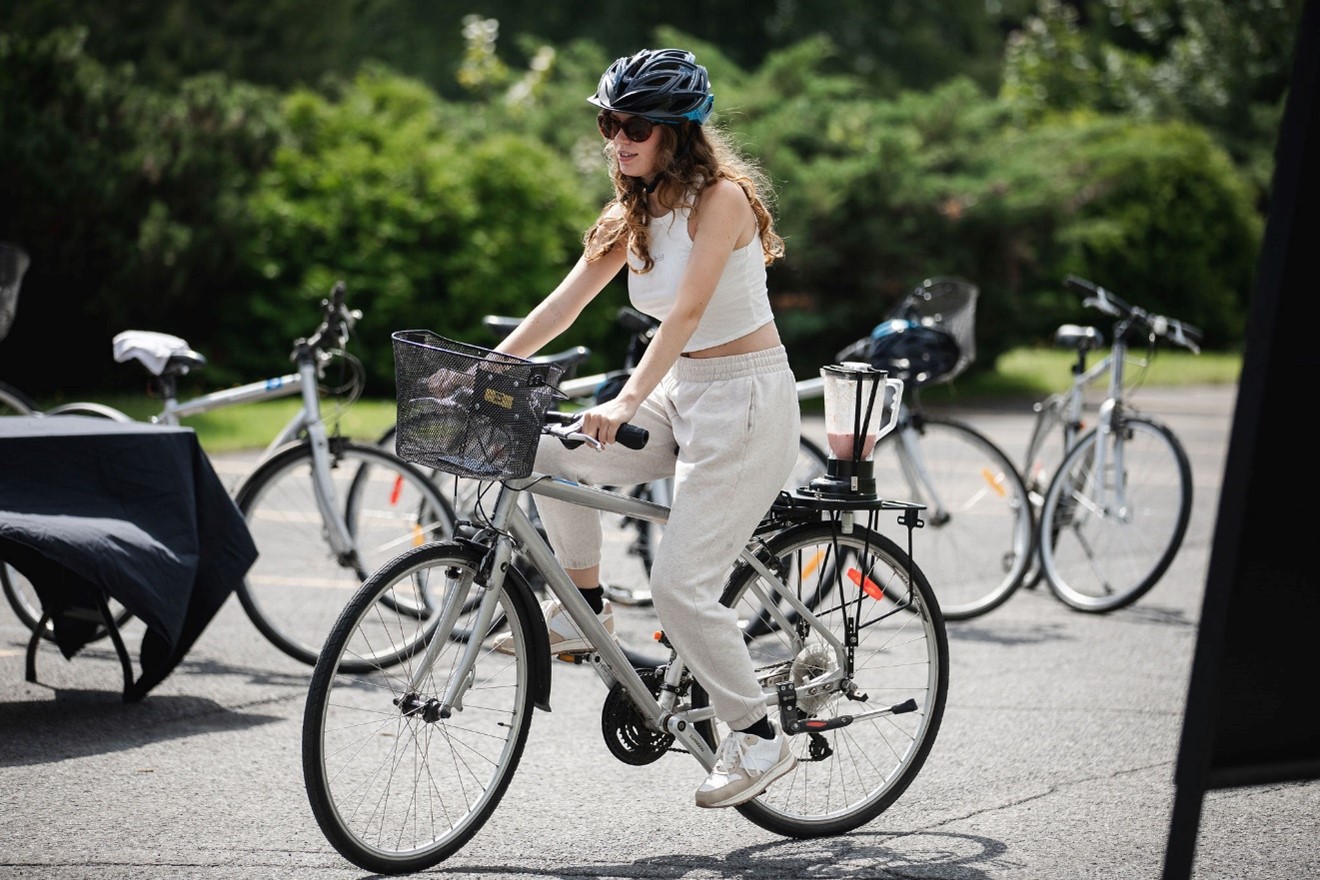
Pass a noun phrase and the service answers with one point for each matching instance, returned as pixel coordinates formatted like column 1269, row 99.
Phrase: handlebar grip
column 632, row 436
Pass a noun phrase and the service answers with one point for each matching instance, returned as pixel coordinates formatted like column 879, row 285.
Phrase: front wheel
column 890, row 677
column 979, row 533
column 298, row 585
column 1115, row 515
column 397, row 783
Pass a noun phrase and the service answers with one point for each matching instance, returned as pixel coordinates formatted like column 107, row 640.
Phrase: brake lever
column 573, row 439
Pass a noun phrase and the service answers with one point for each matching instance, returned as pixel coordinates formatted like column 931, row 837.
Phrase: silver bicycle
column 404, row 762
column 1114, row 495
column 631, row 542
column 323, row 511
column 979, row 540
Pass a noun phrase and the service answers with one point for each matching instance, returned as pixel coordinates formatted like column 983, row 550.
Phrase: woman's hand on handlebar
column 568, row 428
column 602, row 422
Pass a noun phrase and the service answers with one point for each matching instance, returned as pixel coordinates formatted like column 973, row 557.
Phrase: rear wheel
column 396, row 784
column 295, row 590
column 979, row 533
column 892, row 683
column 14, row 402
column 23, row 599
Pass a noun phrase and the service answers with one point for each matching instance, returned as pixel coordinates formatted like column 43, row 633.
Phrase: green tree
column 431, row 222
column 1222, row 64
column 130, row 201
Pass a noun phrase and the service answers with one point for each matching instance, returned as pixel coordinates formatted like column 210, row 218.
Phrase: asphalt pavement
column 1055, row 759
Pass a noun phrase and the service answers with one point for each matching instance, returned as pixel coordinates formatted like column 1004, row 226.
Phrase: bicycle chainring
column 627, row 734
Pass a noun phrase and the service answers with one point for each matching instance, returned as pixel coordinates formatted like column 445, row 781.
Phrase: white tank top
column 740, row 303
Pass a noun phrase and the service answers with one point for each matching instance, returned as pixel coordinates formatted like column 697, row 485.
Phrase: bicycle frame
column 512, row 528
column 308, row 419
column 1067, row 409
column 1064, row 409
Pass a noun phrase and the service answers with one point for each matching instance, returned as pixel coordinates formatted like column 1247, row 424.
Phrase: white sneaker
column 565, row 638
column 745, row 765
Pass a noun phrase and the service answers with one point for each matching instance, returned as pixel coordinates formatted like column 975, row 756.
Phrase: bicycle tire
column 848, row 775
column 23, row 600
column 1096, row 562
column 295, row 590
column 980, row 528
column 14, row 402
column 93, row 410
column 397, row 791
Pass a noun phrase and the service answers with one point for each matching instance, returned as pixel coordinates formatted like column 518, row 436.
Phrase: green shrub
column 431, row 222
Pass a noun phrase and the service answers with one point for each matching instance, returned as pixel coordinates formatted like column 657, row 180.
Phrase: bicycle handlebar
column 629, row 435
column 337, row 321
column 1098, row 298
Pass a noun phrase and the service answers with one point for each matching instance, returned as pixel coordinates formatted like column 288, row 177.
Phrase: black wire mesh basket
column 468, row 410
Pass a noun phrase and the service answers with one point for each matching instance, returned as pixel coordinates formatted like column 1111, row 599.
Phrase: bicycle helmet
column 663, row 85
column 917, row 353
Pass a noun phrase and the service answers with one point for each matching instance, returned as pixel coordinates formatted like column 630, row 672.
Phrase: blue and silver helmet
column 663, row 85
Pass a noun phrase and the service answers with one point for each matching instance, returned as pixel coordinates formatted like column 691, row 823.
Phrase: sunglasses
column 636, row 128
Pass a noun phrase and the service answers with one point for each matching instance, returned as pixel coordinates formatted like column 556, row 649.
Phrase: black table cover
column 133, row 510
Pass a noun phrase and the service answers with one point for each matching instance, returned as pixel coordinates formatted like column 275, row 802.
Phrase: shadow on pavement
column 860, row 853
column 79, row 723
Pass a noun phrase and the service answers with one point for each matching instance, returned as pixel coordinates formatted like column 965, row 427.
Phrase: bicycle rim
column 1097, row 556
column 394, row 787
column 296, row 588
column 847, row 776
column 23, row 599
column 979, row 532
column 14, row 402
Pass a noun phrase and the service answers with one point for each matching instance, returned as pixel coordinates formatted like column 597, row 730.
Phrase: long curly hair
column 692, row 157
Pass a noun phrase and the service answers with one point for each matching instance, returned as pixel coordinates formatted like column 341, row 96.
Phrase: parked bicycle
column 403, row 763
column 979, row 535
column 323, row 510
column 1115, row 508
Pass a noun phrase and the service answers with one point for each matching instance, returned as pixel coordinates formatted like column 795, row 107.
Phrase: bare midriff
column 763, row 337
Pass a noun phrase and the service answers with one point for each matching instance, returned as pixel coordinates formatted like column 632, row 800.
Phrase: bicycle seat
column 161, row 353
column 1077, row 338
column 500, row 325
column 503, row 325
column 566, row 359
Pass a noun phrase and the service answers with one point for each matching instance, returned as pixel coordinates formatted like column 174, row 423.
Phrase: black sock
column 595, row 598
column 761, row 728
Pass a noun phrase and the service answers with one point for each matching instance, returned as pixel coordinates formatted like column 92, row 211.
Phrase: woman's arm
column 724, row 220
column 557, row 312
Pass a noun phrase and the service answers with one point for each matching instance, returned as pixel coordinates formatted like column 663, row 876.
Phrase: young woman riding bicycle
column 691, row 223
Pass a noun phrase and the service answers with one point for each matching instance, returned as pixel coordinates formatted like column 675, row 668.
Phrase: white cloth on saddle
column 153, row 349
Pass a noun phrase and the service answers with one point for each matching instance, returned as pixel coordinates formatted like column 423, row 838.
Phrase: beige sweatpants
column 727, row 430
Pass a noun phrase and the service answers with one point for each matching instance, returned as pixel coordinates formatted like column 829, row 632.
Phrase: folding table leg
column 32, row 647
column 125, row 663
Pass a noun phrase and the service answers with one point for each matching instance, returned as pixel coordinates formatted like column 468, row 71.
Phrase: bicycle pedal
column 573, row 656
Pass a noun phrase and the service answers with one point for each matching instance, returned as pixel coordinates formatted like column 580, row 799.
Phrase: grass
column 1032, row 373
column 1026, row 374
